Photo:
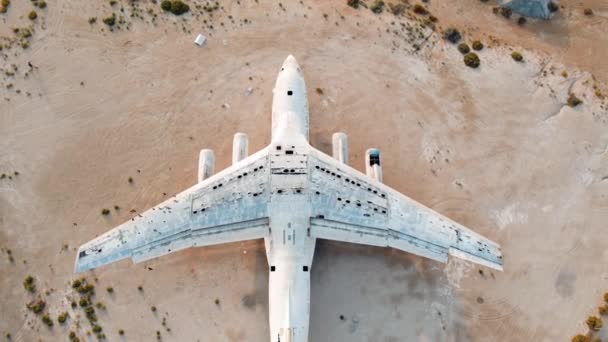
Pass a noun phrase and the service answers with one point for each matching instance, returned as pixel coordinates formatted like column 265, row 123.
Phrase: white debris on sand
column 200, row 40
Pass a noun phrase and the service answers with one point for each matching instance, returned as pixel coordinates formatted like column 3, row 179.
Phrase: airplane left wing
column 351, row 207
column 227, row 207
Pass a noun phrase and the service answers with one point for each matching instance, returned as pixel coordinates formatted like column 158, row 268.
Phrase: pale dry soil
column 494, row 148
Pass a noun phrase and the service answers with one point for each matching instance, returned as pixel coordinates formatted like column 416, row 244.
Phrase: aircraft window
column 278, row 148
column 279, row 191
column 305, row 268
column 289, row 152
column 273, row 268
column 289, row 92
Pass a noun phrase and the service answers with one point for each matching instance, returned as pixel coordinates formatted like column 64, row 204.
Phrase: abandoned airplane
column 289, row 194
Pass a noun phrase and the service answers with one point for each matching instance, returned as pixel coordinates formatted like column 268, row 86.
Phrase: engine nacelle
column 373, row 168
column 206, row 164
column 340, row 147
column 240, row 147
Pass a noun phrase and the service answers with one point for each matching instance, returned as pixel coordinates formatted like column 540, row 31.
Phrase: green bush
column 477, row 45
column 105, row 211
column 463, row 48
column 84, row 302
column 176, row 7
column 29, row 284
column 517, row 56
column 96, row 328
column 573, row 100
column 419, row 9
column 594, row 323
column 452, row 35
column 396, row 9
column 110, row 21
column 506, row 12
column 377, row 6
column 353, row 3
column 606, row 297
column 603, row 309
column 47, row 320
column 471, row 60
column 552, row 6
column 36, row 306
column 588, row 11
column 32, row 15
column 581, row 338
column 62, row 317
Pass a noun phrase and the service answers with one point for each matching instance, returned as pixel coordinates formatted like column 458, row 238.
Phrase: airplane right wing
column 351, row 207
column 227, row 207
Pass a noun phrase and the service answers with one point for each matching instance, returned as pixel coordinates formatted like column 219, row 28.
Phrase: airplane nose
column 290, row 61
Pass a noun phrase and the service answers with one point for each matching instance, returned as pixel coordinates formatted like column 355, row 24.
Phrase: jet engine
column 340, row 147
column 206, row 164
column 240, row 147
column 373, row 168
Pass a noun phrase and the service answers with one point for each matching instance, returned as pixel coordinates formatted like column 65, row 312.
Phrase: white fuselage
column 289, row 248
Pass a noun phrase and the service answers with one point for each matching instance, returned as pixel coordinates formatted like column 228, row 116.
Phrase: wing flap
column 333, row 230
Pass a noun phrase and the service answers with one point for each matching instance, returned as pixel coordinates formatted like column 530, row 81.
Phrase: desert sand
column 495, row 148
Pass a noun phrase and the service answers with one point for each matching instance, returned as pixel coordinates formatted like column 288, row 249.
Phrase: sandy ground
column 494, row 148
